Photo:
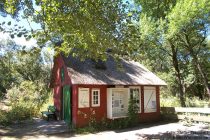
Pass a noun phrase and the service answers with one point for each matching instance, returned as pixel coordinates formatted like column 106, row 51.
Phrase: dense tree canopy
column 177, row 31
column 85, row 28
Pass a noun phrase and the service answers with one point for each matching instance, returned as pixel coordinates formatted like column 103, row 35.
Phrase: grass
column 171, row 101
column 86, row 130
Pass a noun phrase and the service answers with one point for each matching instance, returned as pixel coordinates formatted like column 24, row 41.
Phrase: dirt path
column 149, row 131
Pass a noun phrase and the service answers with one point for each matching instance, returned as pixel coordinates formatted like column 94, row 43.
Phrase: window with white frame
column 119, row 102
column 95, row 97
column 135, row 94
column 150, row 104
column 83, row 98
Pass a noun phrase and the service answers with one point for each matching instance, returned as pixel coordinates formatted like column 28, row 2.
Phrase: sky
column 23, row 42
column 22, row 22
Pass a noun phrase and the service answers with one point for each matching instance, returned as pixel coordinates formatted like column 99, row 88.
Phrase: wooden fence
column 180, row 113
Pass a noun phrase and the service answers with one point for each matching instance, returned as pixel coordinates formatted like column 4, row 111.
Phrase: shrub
column 4, row 120
column 169, row 101
column 196, row 102
column 94, row 126
column 133, row 116
column 26, row 100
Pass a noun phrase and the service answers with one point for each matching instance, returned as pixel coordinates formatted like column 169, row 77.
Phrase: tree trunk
column 178, row 75
column 197, row 63
column 201, row 71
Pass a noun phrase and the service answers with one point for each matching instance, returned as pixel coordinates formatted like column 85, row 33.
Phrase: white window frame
column 83, row 98
column 153, row 99
column 120, row 111
column 92, row 97
column 136, row 87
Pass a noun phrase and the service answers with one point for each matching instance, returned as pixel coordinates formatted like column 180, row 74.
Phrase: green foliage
column 187, row 13
column 18, row 65
column 4, row 118
column 104, row 124
column 24, row 84
column 27, row 99
column 168, row 100
column 16, row 115
column 196, row 102
column 173, row 42
column 86, row 28
column 133, row 116
column 34, row 93
column 119, row 124
column 6, row 65
column 85, row 130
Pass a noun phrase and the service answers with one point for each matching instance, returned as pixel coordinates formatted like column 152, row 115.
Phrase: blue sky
column 20, row 22
column 22, row 41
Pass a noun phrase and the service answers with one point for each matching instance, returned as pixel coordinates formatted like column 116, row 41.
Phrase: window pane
column 95, row 98
column 135, row 95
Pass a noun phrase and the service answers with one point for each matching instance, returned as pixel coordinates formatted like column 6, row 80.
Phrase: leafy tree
column 18, row 65
column 164, row 27
column 7, row 48
column 24, row 81
column 85, row 28
column 192, row 31
column 29, row 66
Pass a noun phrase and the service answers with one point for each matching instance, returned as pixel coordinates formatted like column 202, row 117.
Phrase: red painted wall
column 81, row 116
column 57, row 84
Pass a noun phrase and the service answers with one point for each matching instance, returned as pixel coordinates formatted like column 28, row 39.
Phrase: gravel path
column 141, row 133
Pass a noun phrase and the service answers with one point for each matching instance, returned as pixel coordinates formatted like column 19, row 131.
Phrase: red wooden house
column 103, row 89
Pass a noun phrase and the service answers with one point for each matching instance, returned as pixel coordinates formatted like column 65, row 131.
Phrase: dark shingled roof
column 131, row 73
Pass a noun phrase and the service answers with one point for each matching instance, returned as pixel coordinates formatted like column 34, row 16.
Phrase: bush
column 196, row 102
column 133, row 116
column 4, row 120
column 169, row 101
column 130, row 121
column 26, row 100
